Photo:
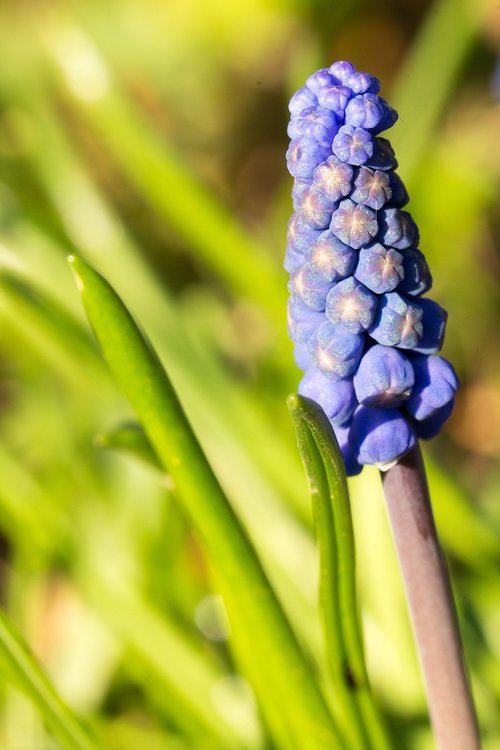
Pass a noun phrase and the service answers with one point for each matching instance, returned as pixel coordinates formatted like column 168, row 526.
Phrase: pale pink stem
column 431, row 604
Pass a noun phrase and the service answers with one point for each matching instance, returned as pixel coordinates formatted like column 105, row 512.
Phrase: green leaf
column 265, row 645
column 333, row 525
column 21, row 666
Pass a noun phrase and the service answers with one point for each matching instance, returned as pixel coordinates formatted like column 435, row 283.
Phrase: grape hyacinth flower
column 362, row 328
column 367, row 340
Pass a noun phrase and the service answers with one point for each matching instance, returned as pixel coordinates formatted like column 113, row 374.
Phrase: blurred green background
column 149, row 138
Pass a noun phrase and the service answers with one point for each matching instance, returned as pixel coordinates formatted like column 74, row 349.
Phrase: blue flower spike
column 364, row 335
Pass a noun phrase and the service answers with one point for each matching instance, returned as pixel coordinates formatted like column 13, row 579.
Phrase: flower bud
column 353, row 145
column 336, row 397
column 335, row 350
column 309, row 288
column 378, row 436
column 379, row 268
column 436, row 383
column 397, row 322
column 384, row 378
column 351, row 304
column 330, row 258
column 354, row 224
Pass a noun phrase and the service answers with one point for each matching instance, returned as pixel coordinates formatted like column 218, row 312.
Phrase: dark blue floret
column 434, row 325
column 364, row 336
column 417, row 278
column 399, row 195
column 397, row 229
column 383, row 156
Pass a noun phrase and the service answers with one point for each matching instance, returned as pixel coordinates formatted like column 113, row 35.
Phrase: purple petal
column 316, row 209
column 300, row 236
column 301, row 100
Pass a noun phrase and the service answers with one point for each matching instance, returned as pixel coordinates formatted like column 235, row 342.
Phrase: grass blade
column 25, row 671
column 333, row 523
column 266, row 647
column 159, row 174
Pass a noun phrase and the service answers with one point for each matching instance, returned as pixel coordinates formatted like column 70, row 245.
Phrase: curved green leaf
column 27, row 674
column 264, row 642
column 333, row 524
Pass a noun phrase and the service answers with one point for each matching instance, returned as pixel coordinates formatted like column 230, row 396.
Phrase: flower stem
column 431, row 604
